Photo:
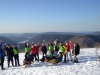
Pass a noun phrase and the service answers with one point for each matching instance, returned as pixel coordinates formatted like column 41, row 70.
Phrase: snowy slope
column 88, row 66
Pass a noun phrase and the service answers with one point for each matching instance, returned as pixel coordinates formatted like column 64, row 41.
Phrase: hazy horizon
column 51, row 32
column 29, row 16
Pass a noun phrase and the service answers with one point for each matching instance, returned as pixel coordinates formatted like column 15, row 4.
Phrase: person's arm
column 32, row 43
column 42, row 49
column 38, row 45
column 5, row 47
column 79, row 49
column 25, row 44
column 17, row 49
column 0, row 43
column 45, row 43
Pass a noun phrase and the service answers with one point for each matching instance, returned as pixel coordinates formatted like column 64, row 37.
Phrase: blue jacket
column 2, row 54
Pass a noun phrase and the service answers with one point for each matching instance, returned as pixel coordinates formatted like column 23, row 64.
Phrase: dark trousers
column 16, row 57
column 33, row 56
column 65, row 58
column 37, row 56
column 2, row 62
column 44, row 53
column 10, row 58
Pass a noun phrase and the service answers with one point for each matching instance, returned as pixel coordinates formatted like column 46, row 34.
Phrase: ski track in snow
column 88, row 65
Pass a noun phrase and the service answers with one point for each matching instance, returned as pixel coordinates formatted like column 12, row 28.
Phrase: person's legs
column 42, row 54
column 75, row 59
column 45, row 53
column 65, row 58
column 37, row 56
column 12, row 61
column 15, row 58
column 31, row 57
column 8, row 60
column 2, row 62
column 70, row 55
column 55, row 53
column 18, row 60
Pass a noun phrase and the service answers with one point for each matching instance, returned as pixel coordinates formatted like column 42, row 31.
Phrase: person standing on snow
column 61, row 49
column 49, row 47
column 10, row 54
column 43, row 50
column 37, row 51
column 76, row 52
column 56, row 48
column 68, row 51
column 27, row 48
column 16, row 55
column 65, row 53
column 2, row 55
column 33, row 52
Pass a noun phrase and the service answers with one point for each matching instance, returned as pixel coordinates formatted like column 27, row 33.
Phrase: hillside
column 17, row 39
column 50, row 38
column 83, row 40
column 86, row 40
column 7, row 41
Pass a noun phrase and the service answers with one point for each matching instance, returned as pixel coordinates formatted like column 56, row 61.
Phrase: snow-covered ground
column 88, row 65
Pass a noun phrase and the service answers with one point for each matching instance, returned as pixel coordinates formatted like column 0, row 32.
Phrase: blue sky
column 20, row 16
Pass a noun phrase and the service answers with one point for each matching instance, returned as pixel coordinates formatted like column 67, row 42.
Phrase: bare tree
column 97, row 46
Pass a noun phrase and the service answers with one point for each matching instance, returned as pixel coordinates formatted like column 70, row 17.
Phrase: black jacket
column 56, row 48
column 76, row 50
column 44, row 49
column 10, row 51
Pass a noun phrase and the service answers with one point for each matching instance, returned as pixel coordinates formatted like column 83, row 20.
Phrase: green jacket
column 27, row 49
column 50, row 48
column 49, row 55
column 15, row 51
column 61, row 49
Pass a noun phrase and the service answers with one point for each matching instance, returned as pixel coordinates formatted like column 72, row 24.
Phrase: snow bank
column 88, row 66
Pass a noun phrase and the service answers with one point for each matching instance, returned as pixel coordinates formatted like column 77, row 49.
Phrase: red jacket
column 70, row 44
column 68, row 47
column 32, row 50
column 37, row 49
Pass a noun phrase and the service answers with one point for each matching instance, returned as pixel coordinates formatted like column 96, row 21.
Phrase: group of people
column 51, row 52
column 10, row 52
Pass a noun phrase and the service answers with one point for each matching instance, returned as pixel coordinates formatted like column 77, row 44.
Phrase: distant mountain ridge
column 7, row 41
column 82, row 40
column 50, row 37
column 87, row 39
column 74, row 33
